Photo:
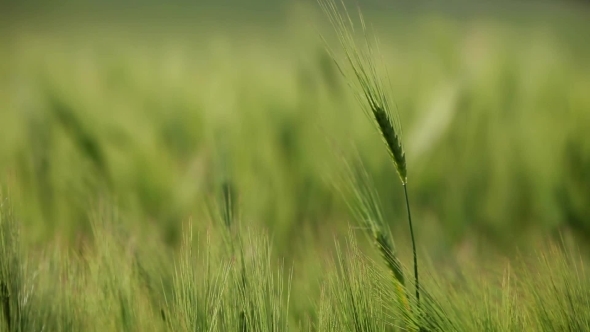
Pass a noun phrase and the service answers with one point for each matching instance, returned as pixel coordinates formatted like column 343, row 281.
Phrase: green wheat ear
column 361, row 74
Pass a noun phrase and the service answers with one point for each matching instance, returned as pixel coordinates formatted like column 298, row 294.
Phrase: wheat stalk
column 360, row 71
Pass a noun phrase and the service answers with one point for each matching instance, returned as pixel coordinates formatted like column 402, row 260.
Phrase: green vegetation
column 209, row 177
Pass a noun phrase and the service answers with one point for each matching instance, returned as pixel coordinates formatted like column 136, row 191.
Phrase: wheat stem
column 414, row 253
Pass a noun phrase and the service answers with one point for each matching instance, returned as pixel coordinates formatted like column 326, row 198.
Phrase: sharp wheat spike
column 367, row 84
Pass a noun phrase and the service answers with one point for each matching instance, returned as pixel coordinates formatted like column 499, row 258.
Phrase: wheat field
column 252, row 166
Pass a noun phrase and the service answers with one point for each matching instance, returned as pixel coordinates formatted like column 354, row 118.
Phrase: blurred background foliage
column 158, row 106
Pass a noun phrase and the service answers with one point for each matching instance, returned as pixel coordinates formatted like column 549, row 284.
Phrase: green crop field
column 251, row 167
